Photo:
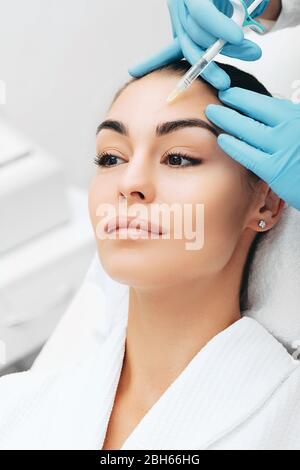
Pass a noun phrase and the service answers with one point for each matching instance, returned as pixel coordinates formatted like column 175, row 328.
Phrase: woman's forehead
column 146, row 100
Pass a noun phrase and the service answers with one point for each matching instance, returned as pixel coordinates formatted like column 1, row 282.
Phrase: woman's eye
column 177, row 158
column 106, row 159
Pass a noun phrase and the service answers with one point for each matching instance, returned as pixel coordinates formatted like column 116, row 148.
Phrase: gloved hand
column 197, row 24
column 270, row 138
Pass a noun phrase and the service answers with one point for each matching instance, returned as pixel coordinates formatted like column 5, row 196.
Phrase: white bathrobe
column 240, row 391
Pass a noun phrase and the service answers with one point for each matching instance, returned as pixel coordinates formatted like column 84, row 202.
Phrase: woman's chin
column 134, row 271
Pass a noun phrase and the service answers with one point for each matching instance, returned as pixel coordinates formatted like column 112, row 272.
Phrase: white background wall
column 62, row 60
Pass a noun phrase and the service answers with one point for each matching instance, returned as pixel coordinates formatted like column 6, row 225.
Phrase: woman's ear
column 268, row 208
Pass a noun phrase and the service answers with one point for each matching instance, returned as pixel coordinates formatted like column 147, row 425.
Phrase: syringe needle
column 173, row 95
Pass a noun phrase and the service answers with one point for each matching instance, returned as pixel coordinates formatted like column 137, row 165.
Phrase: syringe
column 242, row 16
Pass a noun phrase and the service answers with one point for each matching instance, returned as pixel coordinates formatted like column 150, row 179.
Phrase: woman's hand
column 269, row 133
column 197, row 24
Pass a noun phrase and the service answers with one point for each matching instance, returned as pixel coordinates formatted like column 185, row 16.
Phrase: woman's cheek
column 224, row 209
column 91, row 201
column 97, row 195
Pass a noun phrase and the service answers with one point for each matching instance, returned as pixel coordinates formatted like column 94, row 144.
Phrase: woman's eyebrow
column 162, row 129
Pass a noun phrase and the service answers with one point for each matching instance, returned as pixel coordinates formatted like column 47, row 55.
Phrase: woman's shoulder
column 277, row 424
column 21, row 391
column 29, row 382
column 291, row 385
column 284, row 401
column 14, row 384
column 22, row 397
column 30, row 399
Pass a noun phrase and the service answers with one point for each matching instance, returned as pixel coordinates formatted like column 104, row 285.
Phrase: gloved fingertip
column 235, row 35
column 229, row 95
column 217, row 77
column 226, row 142
column 222, row 94
column 211, row 109
column 254, row 52
column 134, row 71
column 222, row 139
column 218, row 82
column 223, row 84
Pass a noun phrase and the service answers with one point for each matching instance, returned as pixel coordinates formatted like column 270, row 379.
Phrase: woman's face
column 141, row 170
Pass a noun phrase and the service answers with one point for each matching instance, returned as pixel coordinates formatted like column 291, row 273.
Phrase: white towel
column 274, row 280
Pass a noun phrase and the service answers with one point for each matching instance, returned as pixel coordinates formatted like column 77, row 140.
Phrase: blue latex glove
column 270, row 138
column 197, row 24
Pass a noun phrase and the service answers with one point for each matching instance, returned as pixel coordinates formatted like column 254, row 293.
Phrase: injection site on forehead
column 144, row 102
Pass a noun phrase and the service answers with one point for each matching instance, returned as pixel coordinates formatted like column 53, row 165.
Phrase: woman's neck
column 168, row 327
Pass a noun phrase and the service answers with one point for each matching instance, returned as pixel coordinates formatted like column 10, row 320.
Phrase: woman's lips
column 133, row 223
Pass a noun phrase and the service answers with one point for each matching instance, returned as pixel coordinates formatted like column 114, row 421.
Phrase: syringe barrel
column 203, row 62
column 195, row 71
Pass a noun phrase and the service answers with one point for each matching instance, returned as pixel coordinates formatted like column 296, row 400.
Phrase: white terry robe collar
column 225, row 383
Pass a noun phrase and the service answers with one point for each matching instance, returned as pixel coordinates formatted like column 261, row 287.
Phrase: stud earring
column 262, row 223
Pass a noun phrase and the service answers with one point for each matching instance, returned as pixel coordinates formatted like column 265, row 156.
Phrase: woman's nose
column 137, row 183
column 136, row 192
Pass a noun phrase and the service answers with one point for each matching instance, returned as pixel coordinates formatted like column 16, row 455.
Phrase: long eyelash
column 98, row 160
column 193, row 161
